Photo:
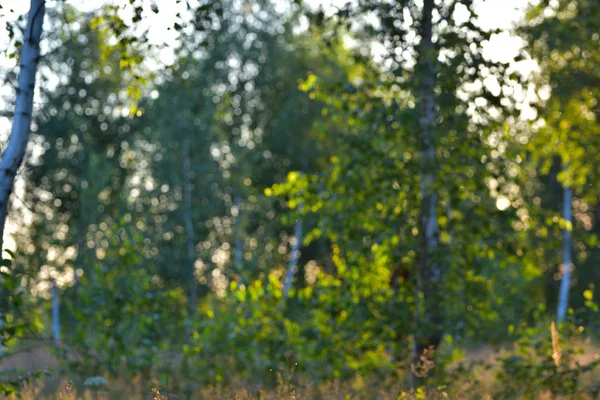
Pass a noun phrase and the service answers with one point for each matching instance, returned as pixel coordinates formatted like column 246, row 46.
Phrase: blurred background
column 321, row 199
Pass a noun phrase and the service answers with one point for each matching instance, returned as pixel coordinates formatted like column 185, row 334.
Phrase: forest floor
column 57, row 386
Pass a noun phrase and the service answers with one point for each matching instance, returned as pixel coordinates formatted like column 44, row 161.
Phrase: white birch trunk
column 19, row 136
column 567, row 264
column 55, row 314
column 239, row 240
column 295, row 255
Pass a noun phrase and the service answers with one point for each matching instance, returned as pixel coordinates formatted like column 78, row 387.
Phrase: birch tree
column 12, row 157
column 294, row 256
column 567, row 263
column 562, row 38
column 429, row 271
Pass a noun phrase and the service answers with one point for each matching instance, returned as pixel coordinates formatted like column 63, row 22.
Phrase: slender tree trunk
column 428, row 319
column 19, row 136
column 189, row 225
column 567, row 264
column 239, row 240
column 2, row 349
column 55, row 314
column 80, row 238
column 293, row 268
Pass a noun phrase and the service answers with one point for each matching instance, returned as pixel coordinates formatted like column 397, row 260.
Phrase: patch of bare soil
column 30, row 359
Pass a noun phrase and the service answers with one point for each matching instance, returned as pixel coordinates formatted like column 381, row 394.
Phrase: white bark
column 567, row 264
column 55, row 314
column 295, row 255
column 239, row 240
column 19, row 137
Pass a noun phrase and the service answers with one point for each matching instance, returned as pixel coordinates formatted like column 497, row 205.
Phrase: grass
column 238, row 391
column 480, row 383
column 329, row 390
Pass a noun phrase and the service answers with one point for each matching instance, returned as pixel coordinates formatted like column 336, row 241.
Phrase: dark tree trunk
column 428, row 316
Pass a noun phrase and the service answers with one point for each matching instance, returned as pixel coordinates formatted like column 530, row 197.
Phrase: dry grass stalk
column 421, row 369
column 556, row 351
